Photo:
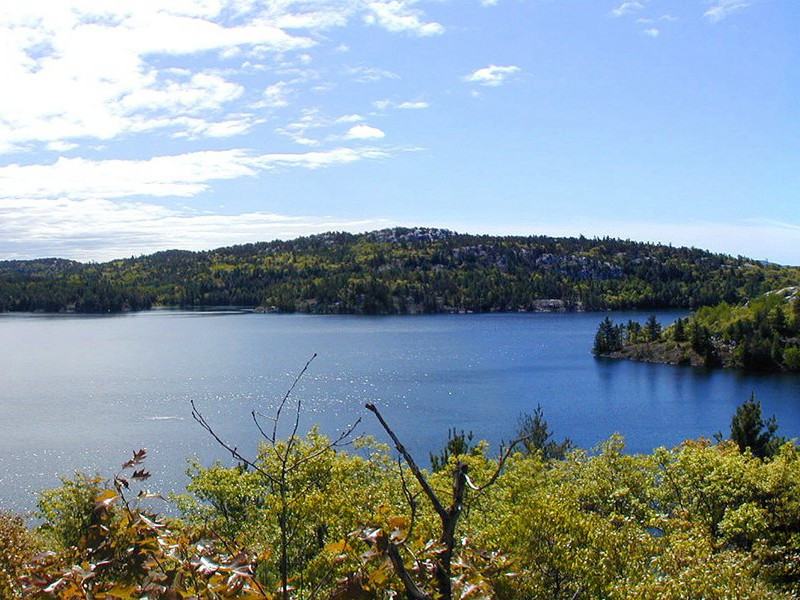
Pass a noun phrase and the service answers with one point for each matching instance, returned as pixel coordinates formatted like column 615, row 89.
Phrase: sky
column 133, row 126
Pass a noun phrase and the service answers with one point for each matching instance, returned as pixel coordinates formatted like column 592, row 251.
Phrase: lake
column 83, row 392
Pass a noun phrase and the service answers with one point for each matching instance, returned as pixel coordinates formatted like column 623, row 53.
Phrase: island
column 762, row 334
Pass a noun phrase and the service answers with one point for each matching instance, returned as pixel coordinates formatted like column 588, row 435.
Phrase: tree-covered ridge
column 762, row 334
column 397, row 271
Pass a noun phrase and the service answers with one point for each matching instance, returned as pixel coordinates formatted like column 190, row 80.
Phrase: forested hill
column 397, row 271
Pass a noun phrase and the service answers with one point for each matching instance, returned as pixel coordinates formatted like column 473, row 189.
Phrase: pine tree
column 749, row 430
column 652, row 329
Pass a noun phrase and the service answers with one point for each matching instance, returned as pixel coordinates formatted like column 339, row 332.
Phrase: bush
column 17, row 547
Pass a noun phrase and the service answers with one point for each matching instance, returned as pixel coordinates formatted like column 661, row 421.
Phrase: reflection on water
column 83, row 392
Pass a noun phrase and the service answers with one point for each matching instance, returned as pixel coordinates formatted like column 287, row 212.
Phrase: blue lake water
column 82, row 392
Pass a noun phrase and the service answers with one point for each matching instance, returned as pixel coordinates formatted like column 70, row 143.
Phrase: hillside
column 397, row 271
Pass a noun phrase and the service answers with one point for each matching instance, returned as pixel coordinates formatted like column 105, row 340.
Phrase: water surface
column 82, row 392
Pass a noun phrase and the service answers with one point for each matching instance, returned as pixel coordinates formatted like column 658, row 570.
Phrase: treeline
column 762, row 334
column 397, row 271
column 305, row 519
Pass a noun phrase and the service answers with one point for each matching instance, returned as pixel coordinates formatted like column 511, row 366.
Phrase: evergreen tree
column 536, row 436
column 679, row 331
column 652, row 329
column 608, row 337
column 633, row 332
column 458, row 444
column 749, row 430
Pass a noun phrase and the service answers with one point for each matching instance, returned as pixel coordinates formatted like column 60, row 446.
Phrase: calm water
column 83, row 392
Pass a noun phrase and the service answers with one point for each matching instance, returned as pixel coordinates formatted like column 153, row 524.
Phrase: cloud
column 492, row 75
column 652, row 32
column 275, row 96
column 665, row 18
column 370, row 74
column 98, row 229
column 398, row 16
column 364, row 132
column 627, row 7
column 350, row 119
column 720, row 9
column 313, row 120
column 412, row 105
column 408, row 105
column 59, row 146
column 85, row 70
column 183, row 175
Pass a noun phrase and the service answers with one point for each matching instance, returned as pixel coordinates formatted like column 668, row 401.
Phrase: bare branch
column 501, row 463
column 334, row 444
column 423, row 482
column 410, row 498
column 412, row 590
column 197, row 416
column 286, row 397
column 255, row 416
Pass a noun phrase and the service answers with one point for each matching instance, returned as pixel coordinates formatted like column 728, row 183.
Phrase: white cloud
column 720, row 9
column 84, row 70
column 408, row 105
column 652, row 32
column 664, row 18
column 97, row 229
column 370, row 74
column 313, row 120
column 59, row 146
column 398, row 16
column 492, row 75
column 364, row 132
column 627, row 7
column 350, row 119
column 200, row 93
column 412, row 105
column 183, row 175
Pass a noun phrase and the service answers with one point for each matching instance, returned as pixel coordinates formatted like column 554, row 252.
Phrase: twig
column 198, row 416
column 286, row 398
column 500, row 464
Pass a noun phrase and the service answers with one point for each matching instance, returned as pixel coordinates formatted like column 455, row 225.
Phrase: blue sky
column 132, row 126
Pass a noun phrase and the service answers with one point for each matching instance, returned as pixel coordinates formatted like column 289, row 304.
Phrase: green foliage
column 17, row 549
column 700, row 520
column 652, row 329
column 323, row 497
column 458, row 444
column 126, row 551
column 679, row 330
column 396, row 271
column 68, row 511
column 536, row 436
column 751, row 432
column 761, row 335
column 609, row 337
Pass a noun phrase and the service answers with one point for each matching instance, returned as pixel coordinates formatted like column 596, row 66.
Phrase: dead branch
column 286, row 398
column 198, row 416
column 423, row 482
column 412, row 590
column 501, row 463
